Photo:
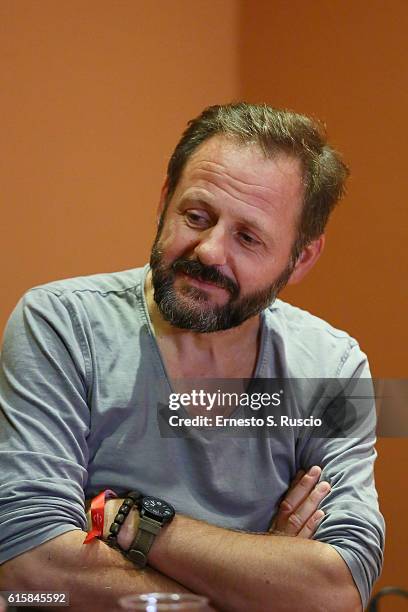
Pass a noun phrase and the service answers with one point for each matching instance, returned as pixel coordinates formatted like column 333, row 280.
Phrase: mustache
column 211, row 274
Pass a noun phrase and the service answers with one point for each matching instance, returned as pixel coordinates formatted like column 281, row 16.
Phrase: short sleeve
column 44, row 423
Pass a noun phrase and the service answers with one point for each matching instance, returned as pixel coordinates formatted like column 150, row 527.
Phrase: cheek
column 168, row 234
column 176, row 237
column 253, row 278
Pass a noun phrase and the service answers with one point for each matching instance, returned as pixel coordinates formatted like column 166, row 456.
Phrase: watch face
column 157, row 508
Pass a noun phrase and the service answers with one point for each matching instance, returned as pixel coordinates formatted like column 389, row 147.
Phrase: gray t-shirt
column 82, row 384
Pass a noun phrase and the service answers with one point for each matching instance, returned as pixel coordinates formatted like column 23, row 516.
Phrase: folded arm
column 240, row 571
column 94, row 574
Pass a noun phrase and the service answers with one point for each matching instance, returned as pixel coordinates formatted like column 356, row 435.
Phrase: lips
column 204, row 283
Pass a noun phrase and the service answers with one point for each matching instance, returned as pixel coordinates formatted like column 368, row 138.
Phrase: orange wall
column 345, row 62
column 95, row 94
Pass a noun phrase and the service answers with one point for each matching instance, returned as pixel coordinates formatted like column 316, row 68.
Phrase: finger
column 302, row 489
column 298, row 476
column 296, row 495
column 311, row 525
column 305, row 510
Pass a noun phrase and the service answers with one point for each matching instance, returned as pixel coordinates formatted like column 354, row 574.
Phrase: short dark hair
column 273, row 130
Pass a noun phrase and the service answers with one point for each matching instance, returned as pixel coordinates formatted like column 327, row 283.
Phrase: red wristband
column 97, row 514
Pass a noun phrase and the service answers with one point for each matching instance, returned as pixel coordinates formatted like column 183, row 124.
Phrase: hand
column 298, row 514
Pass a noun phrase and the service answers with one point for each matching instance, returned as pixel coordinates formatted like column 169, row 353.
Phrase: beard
column 195, row 311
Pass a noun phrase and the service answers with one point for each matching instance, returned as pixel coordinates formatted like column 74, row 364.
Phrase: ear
column 162, row 201
column 307, row 259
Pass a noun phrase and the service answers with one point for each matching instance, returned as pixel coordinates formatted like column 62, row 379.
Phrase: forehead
column 243, row 171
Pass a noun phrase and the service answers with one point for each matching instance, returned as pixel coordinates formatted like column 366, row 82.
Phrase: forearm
column 240, row 571
column 95, row 575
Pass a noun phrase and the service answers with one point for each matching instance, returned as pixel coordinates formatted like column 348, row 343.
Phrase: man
column 89, row 365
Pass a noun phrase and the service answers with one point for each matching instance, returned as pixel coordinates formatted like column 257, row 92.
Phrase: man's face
column 223, row 249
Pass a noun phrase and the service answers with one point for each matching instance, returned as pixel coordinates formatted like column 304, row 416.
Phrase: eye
column 247, row 239
column 196, row 218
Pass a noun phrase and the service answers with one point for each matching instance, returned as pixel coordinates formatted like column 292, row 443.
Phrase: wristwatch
column 154, row 513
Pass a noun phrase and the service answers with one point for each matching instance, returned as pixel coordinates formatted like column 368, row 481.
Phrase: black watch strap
column 139, row 549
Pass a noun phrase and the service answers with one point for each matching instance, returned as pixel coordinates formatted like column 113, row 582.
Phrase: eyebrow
column 249, row 223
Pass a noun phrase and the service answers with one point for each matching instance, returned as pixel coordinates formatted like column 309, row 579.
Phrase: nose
column 211, row 249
